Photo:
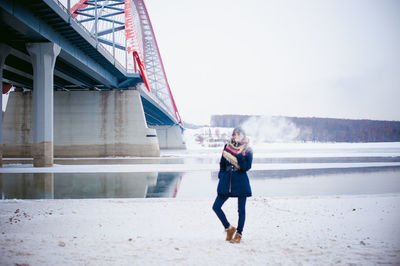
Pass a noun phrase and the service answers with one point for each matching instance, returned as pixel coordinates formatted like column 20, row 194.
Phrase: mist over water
column 270, row 129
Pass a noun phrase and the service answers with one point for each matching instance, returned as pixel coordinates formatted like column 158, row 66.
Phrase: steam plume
column 270, row 129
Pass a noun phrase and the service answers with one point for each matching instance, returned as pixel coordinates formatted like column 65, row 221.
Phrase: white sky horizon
column 333, row 59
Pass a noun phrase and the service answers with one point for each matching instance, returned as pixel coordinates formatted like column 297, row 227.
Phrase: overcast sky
column 332, row 58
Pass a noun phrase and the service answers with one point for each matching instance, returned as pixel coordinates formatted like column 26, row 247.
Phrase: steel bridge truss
column 125, row 29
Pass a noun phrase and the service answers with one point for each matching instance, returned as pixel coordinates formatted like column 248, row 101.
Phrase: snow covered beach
column 292, row 219
column 343, row 230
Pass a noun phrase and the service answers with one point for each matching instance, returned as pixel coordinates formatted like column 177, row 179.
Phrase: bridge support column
column 4, row 51
column 170, row 137
column 43, row 57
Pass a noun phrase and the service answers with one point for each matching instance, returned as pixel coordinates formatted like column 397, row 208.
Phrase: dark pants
column 219, row 201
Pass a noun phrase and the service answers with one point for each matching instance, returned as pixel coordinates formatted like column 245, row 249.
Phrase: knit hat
column 239, row 130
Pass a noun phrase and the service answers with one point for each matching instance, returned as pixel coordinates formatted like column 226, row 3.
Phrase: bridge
column 84, row 78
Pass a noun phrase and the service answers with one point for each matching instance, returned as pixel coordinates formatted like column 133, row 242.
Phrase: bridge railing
column 99, row 45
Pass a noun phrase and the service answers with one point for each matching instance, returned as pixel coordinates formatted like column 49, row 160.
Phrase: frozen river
column 281, row 169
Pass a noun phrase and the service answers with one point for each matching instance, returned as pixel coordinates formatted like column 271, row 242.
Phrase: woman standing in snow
column 233, row 181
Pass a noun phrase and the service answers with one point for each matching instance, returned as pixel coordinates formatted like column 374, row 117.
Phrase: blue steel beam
column 113, row 14
column 119, row 46
column 155, row 116
column 82, row 11
column 108, row 31
column 107, row 6
column 84, row 14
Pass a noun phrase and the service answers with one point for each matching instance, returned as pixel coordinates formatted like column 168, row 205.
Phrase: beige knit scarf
column 232, row 149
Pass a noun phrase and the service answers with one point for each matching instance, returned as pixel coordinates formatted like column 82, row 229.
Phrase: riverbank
column 361, row 230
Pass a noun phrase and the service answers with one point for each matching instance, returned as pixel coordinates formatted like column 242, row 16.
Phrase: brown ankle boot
column 236, row 239
column 229, row 232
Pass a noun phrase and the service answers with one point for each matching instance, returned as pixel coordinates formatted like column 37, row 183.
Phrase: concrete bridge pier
column 43, row 184
column 43, row 57
column 27, row 185
column 4, row 51
column 170, row 137
column 86, row 124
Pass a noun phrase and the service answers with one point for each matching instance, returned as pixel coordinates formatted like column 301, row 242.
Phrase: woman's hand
column 242, row 148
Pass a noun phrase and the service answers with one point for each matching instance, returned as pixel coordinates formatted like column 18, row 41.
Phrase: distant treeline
column 328, row 129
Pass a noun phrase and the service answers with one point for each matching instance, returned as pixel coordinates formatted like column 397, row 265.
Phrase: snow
column 357, row 230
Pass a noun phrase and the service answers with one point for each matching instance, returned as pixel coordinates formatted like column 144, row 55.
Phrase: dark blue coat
column 233, row 182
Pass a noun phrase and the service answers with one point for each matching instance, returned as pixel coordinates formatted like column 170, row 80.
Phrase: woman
column 233, row 181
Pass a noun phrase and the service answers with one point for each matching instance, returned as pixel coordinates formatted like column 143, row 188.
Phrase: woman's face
column 237, row 137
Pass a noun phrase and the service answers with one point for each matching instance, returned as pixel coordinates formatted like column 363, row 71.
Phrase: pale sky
column 331, row 58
